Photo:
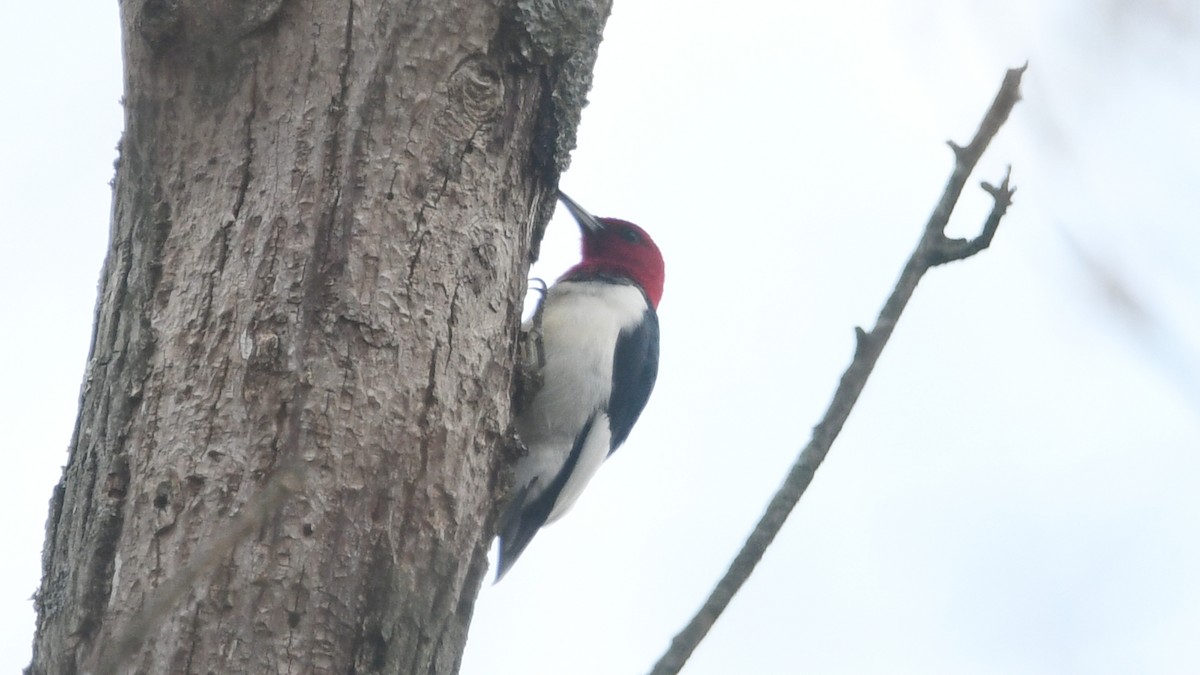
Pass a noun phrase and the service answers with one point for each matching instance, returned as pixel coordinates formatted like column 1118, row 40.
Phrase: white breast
column 580, row 324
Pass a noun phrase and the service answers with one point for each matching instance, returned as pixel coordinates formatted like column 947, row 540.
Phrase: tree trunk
column 292, row 428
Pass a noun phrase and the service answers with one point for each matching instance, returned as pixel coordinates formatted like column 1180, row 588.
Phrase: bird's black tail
column 517, row 526
column 525, row 516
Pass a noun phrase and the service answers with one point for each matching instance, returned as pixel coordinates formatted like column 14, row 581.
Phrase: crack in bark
column 427, row 403
column 451, row 321
column 248, row 148
column 224, row 237
column 452, row 168
column 339, row 104
column 294, row 616
column 214, row 407
column 264, row 273
column 195, row 635
column 416, row 256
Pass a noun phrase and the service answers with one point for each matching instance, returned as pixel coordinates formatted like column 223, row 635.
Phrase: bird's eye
column 630, row 235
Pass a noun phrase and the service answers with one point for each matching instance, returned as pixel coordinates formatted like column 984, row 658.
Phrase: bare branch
column 944, row 250
column 934, row 249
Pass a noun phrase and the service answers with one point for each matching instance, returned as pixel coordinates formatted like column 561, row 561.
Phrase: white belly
column 580, row 324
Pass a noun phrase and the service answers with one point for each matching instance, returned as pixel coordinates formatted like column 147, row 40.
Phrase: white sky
column 1015, row 492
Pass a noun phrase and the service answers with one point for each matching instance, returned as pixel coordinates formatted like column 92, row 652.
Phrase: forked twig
column 934, row 249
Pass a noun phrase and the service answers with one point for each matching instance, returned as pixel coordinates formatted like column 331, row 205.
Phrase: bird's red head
column 617, row 248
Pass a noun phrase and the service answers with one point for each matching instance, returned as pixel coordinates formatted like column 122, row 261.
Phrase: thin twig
column 935, row 248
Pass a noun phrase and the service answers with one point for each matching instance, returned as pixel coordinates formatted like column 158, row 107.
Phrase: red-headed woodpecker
column 600, row 346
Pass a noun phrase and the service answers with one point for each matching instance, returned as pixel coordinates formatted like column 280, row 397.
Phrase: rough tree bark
column 292, row 425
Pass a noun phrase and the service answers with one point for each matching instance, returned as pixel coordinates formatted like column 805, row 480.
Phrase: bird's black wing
column 635, row 368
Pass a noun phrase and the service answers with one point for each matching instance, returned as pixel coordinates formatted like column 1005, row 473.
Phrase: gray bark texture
column 292, row 436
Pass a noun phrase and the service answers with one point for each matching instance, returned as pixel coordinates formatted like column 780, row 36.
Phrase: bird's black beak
column 586, row 220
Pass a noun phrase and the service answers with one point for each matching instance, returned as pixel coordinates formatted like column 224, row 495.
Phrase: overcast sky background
column 1016, row 491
